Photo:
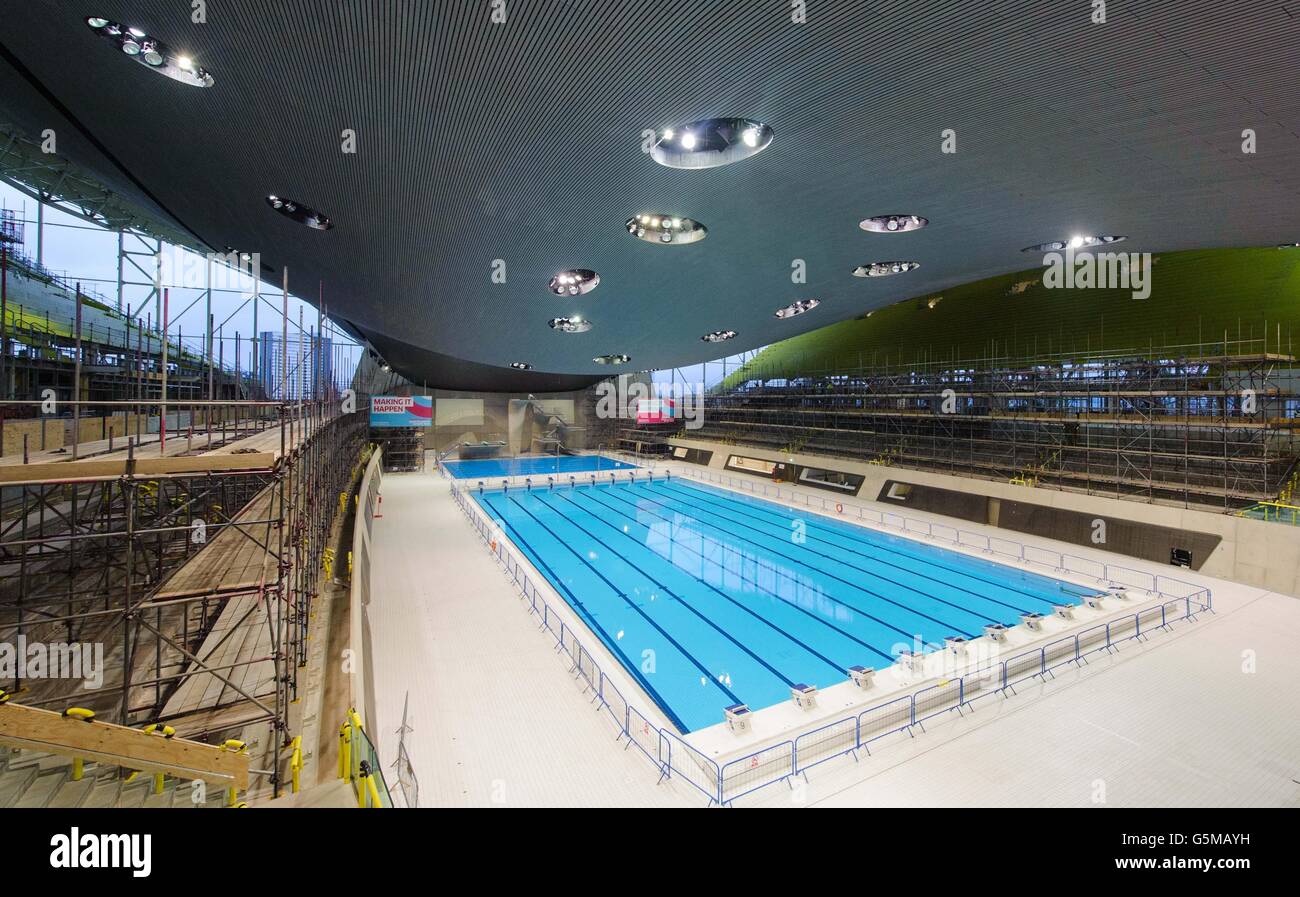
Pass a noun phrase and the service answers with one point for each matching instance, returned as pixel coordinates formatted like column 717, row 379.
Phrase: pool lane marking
column 839, row 668
column 953, row 627
column 886, row 563
column 771, row 594
column 681, row 600
column 708, row 674
column 695, row 513
column 826, row 524
column 763, row 564
column 840, row 601
column 590, row 620
column 887, row 550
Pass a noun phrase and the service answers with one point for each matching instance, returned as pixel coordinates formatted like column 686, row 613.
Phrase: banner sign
column 401, row 411
column 655, row 411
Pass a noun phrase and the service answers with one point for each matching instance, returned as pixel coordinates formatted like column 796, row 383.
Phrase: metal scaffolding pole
column 113, row 562
column 1158, row 426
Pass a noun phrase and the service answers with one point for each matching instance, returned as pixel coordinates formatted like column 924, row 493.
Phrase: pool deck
column 498, row 718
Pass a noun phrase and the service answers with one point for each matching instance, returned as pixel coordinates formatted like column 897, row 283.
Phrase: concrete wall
column 1253, row 552
column 499, row 424
column 1135, row 538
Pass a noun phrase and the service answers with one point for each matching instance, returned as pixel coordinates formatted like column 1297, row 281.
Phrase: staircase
column 32, row 779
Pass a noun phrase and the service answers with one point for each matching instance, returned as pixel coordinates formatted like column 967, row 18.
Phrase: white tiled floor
column 1170, row 722
column 499, row 720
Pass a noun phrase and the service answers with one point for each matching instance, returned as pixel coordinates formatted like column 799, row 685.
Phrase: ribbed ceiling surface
column 522, row 142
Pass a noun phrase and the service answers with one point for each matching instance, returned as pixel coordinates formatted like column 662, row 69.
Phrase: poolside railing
column 772, row 764
column 1058, row 562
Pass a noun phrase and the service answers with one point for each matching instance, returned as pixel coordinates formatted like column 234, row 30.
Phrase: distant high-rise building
column 309, row 363
column 11, row 229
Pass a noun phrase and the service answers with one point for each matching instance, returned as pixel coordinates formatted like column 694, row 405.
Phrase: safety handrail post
column 710, row 778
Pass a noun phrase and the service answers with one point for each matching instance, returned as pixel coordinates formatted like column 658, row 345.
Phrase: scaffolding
column 403, row 447
column 194, row 570
column 156, row 505
column 1211, row 427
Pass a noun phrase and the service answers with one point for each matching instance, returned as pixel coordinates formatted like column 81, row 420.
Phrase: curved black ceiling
column 522, row 142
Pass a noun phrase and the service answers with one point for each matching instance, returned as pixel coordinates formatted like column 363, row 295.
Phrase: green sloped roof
column 1195, row 297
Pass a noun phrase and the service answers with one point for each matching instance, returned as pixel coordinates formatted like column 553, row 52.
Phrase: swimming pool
column 484, row 468
column 709, row 598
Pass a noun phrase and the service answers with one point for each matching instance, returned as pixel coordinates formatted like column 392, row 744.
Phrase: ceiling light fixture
column 570, row 325
column 300, row 213
column 150, row 52
column 797, row 308
column 521, row 366
column 893, row 224
column 659, row 228
column 612, row 359
column 711, row 142
column 719, row 336
column 1078, row 241
column 884, row 269
column 574, row 282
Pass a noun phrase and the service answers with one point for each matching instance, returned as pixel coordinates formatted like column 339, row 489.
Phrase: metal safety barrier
column 1056, row 561
column 773, row 764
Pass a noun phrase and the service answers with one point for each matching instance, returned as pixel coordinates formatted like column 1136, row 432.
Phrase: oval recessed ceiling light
column 150, row 52
column 1078, row 241
column 299, row 212
column 893, row 224
column 570, row 325
column 710, row 142
column 574, row 282
column 718, row 336
column 884, row 269
column 797, row 308
column 656, row 228
column 521, row 366
column 612, row 359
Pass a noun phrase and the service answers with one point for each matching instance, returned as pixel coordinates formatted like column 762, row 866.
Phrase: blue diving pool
column 540, row 465
column 708, row 598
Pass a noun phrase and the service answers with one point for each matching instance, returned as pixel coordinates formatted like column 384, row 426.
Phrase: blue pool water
column 708, row 600
column 527, row 466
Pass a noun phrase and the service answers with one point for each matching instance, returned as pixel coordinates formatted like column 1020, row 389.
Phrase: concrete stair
column 33, row 780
